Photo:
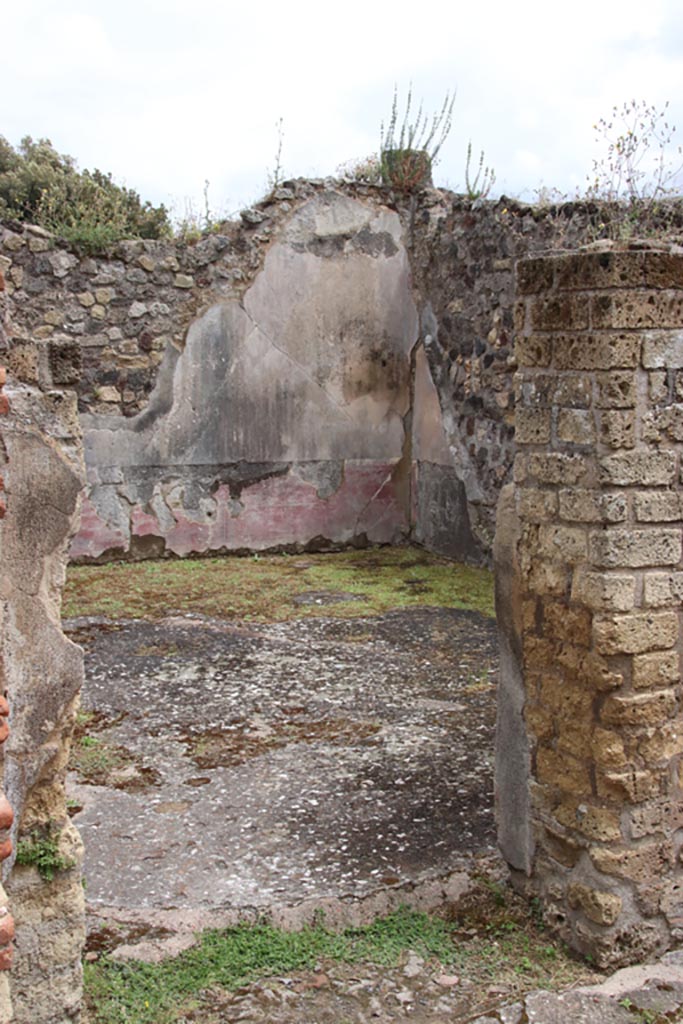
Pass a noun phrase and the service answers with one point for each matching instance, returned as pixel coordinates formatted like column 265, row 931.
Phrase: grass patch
column 262, row 588
column 495, row 936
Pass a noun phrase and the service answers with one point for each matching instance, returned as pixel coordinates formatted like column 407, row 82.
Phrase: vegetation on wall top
column 40, row 186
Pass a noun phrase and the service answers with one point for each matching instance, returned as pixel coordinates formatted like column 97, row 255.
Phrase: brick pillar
column 590, row 583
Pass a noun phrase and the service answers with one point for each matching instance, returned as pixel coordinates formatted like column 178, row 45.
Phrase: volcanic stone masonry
column 589, row 587
column 293, row 359
column 350, row 362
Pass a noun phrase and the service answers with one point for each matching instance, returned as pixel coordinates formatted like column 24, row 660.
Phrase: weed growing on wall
column 409, row 147
column 196, row 223
column 484, row 178
column 275, row 177
column 640, row 168
column 41, row 850
column 368, row 170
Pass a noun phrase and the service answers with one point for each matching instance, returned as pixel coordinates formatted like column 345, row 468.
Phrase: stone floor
column 343, row 764
column 222, row 770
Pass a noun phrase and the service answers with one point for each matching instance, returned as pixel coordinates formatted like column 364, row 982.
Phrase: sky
column 168, row 95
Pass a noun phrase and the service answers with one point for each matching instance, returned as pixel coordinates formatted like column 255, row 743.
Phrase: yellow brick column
column 590, row 586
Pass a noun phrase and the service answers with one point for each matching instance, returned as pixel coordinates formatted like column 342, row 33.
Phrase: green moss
column 264, row 588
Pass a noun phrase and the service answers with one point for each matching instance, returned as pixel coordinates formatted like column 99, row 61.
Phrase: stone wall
column 282, row 421
column 141, row 318
column 42, row 671
column 589, row 585
column 463, row 256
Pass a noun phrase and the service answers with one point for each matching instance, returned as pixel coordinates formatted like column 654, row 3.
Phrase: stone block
column 547, row 578
column 561, row 621
column 663, row 350
column 603, row 592
column 562, row 771
column 537, row 506
column 596, row 351
column 658, row 506
column 618, row 428
column 598, row 823
column 565, row 543
column 656, row 669
column 658, row 386
column 612, row 269
column 559, row 313
column 642, row 864
column 659, row 745
column 540, row 722
column 639, row 468
column 617, row 547
column 574, row 391
column 639, row 709
column 616, row 389
column 555, row 468
column 533, row 350
column 560, row 847
column 574, row 738
column 602, row 907
column 535, row 390
column 662, row 588
column 584, row 506
column 634, row 310
column 532, row 426
column 575, row 426
column 108, row 394
column 664, row 816
column 635, row 633
column 608, row 749
column 665, row 424
column 630, row 786
column 534, row 275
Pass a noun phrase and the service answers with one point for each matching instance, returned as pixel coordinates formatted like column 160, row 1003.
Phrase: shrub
column 41, row 186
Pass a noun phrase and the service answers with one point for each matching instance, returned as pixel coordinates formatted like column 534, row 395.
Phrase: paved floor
column 261, row 766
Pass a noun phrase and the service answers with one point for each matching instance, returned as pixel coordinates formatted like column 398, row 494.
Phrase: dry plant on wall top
column 409, row 151
column 640, row 169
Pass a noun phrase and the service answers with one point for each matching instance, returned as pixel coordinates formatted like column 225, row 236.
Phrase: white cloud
column 168, row 94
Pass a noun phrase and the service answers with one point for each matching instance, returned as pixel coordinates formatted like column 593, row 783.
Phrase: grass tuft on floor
column 494, row 935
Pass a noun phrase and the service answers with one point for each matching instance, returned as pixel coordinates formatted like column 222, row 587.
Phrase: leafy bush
column 41, row 186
